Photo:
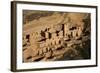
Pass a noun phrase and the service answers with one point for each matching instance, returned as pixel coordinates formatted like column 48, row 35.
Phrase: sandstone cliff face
column 54, row 36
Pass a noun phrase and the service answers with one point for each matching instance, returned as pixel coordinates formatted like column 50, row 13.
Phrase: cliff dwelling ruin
column 56, row 36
